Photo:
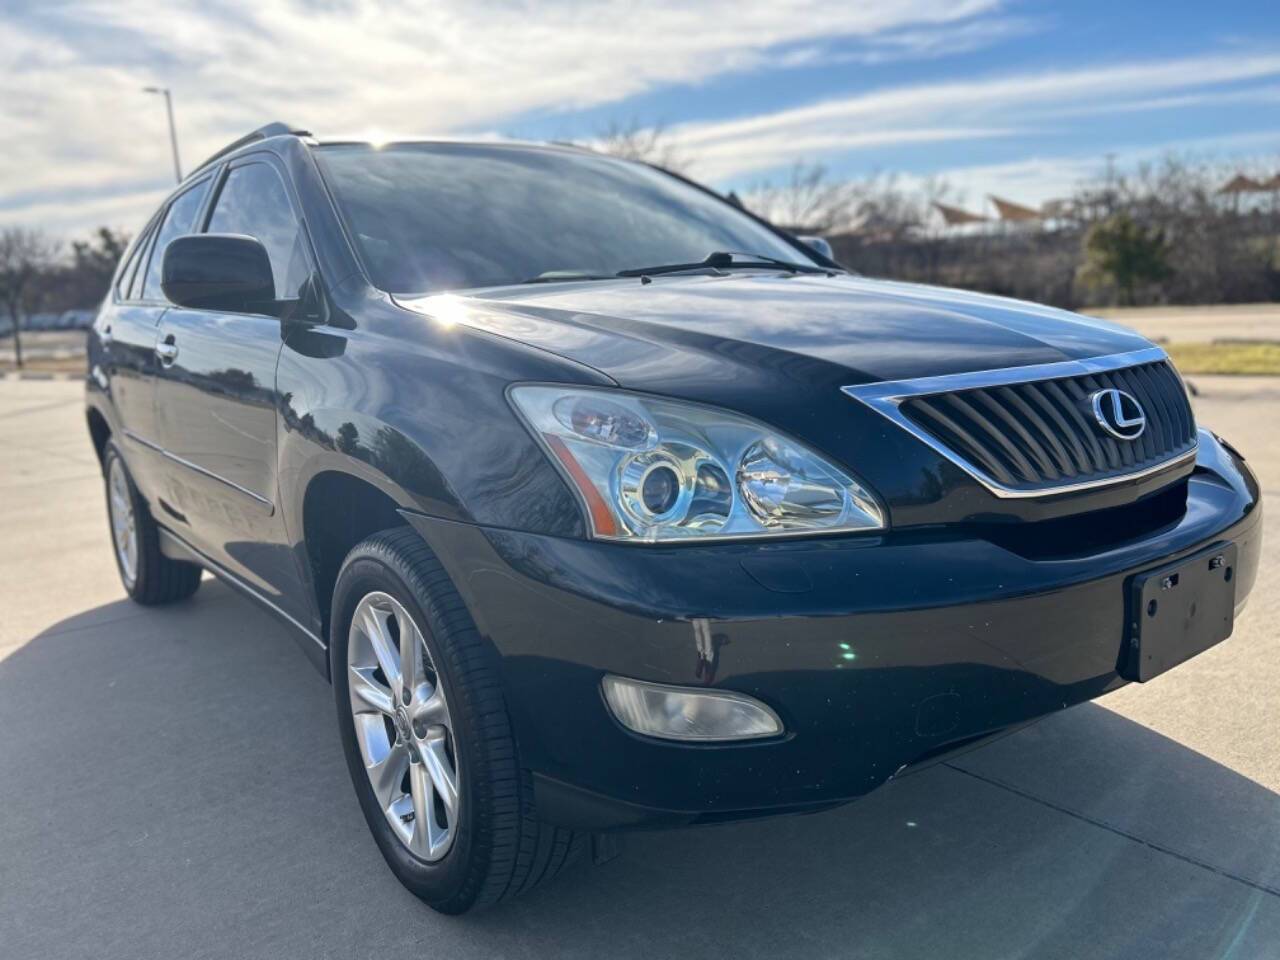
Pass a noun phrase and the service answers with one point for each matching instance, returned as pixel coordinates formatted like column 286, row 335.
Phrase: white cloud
column 73, row 116
column 127, row 208
column 995, row 106
column 80, row 144
column 1262, row 95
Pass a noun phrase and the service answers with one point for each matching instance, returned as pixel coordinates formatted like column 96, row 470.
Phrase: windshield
column 432, row 217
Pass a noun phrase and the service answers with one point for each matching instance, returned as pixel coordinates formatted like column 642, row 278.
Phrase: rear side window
column 253, row 202
column 140, row 268
column 126, row 271
column 133, row 289
column 137, row 255
column 181, row 219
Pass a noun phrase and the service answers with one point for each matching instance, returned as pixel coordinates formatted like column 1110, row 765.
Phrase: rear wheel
column 425, row 728
column 148, row 575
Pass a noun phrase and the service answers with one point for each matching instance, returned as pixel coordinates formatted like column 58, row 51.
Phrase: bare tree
column 25, row 255
column 809, row 201
column 885, row 209
column 633, row 141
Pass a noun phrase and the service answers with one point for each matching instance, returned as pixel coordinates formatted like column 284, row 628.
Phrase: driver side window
column 253, row 202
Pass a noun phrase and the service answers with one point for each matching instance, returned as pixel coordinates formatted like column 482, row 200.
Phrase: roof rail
column 274, row 129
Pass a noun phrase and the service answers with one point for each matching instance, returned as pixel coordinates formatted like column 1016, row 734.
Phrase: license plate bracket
column 1179, row 610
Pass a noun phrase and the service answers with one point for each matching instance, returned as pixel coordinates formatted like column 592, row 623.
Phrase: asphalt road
column 171, row 786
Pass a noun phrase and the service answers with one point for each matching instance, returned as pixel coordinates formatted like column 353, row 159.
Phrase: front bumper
column 877, row 653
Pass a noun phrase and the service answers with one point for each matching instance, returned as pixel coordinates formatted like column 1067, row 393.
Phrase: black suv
column 605, row 504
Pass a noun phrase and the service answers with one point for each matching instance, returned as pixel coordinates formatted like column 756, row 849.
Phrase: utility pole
column 173, row 133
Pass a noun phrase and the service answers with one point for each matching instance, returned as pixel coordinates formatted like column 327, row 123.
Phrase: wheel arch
column 99, row 431
column 338, row 511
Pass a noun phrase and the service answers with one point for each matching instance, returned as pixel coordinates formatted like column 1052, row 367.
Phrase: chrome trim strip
column 271, row 507
column 219, row 570
column 1000, row 376
column 886, row 396
column 144, row 441
column 221, row 479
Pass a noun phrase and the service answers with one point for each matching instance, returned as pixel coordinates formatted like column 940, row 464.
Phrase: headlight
column 659, row 470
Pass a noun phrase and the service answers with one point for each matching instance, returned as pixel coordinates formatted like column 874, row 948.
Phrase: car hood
column 761, row 326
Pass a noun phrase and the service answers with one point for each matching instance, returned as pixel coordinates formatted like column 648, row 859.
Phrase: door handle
column 167, row 350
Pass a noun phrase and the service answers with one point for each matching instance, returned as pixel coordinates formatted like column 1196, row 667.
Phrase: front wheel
column 425, row 729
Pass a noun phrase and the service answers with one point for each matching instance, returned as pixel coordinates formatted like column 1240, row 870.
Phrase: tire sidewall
column 433, row 881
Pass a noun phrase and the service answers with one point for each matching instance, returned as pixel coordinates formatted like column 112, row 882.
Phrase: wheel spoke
column 443, row 778
column 386, row 774
column 423, row 815
column 374, row 626
column 409, row 642
column 431, row 708
column 370, row 692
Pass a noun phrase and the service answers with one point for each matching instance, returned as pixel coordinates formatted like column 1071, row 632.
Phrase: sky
column 1024, row 99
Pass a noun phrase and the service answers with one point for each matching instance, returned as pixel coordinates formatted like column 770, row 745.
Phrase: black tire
column 157, row 579
column 501, row 849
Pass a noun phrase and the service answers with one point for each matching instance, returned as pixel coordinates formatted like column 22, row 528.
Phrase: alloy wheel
column 124, row 527
column 402, row 725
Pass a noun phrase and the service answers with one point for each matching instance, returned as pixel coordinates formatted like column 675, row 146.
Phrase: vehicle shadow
column 171, row 785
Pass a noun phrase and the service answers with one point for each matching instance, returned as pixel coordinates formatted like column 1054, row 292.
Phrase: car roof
column 381, row 140
column 279, row 129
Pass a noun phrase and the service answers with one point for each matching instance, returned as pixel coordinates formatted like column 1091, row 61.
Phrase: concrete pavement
column 171, row 786
column 1243, row 321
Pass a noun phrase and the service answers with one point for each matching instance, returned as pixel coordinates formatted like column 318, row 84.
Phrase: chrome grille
column 1031, row 431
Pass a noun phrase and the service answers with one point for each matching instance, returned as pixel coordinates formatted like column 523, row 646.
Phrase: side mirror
column 820, row 245
column 218, row 271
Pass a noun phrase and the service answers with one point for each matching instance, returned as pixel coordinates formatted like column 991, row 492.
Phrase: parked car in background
column 605, row 505
column 66, row 320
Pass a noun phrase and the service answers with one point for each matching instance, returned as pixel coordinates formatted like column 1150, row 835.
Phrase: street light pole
column 173, row 133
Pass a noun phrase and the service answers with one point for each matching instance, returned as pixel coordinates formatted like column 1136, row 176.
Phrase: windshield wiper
column 566, row 276
column 724, row 260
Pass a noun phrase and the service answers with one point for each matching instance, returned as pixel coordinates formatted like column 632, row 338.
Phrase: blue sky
column 1019, row 98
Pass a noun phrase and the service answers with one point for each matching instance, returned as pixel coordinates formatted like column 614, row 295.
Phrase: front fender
column 422, row 415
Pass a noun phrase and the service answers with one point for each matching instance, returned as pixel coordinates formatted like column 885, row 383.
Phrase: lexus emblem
column 1118, row 414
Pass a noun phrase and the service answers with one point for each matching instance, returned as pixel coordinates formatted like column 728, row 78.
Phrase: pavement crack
column 1111, row 828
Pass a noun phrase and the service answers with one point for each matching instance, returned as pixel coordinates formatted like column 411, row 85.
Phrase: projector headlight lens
column 653, row 470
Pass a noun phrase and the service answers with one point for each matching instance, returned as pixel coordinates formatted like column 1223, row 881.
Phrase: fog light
column 684, row 713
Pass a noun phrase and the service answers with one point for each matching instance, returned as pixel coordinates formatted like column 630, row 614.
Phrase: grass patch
column 1257, row 358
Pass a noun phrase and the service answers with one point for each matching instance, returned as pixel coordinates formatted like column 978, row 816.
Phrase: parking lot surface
column 1244, row 321
column 171, row 785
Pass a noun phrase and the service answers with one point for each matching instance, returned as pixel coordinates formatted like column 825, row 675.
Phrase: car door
column 128, row 331
column 216, row 403
column 127, row 369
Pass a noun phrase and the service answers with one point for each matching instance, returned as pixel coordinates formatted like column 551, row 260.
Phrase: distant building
column 1252, row 191
column 1242, row 184
column 1015, row 212
column 956, row 216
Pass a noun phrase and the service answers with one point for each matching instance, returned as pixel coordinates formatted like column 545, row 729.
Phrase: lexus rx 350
column 604, row 504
